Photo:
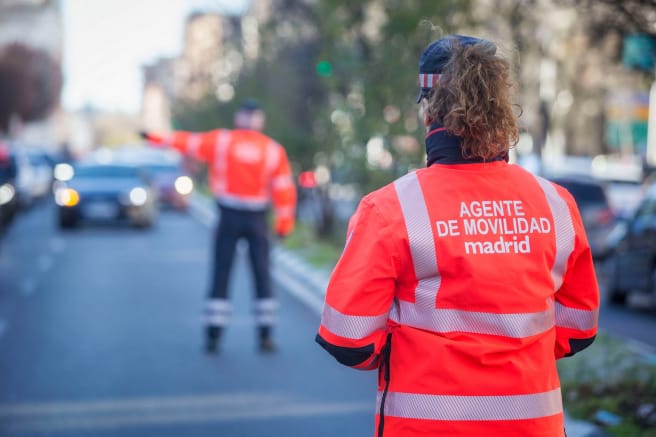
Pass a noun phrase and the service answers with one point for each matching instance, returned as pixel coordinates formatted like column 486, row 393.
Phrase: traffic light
column 324, row 69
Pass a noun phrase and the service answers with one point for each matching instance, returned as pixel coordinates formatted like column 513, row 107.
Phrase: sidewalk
column 308, row 284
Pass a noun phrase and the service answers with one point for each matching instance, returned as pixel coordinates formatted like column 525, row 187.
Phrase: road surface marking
column 121, row 413
column 299, row 290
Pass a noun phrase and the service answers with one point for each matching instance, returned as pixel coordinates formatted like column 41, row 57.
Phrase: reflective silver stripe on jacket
column 352, row 327
column 451, row 407
column 514, row 325
column 420, row 236
column 563, row 228
column 194, row 145
column 220, row 161
column 574, row 318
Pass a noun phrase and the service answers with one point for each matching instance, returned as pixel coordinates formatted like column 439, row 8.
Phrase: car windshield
column 106, row 171
column 161, row 168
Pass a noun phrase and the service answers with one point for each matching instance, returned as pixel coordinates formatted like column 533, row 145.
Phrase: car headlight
column 138, row 196
column 63, row 172
column 184, row 185
column 7, row 192
column 67, row 197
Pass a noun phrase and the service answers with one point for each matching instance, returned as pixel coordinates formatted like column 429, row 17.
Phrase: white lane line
column 298, row 290
column 118, row 413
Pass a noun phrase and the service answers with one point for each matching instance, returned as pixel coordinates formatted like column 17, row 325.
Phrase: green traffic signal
column 324, row 69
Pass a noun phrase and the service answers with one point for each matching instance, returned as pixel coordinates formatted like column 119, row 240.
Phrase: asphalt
column 307, row 283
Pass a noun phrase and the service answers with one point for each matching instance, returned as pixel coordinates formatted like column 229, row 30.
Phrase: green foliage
column 609, row 376
column 320, row 253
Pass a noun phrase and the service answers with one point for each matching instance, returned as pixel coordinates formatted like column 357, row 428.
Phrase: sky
column 107, row 41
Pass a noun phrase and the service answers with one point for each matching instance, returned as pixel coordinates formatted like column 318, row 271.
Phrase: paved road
column 100, row 335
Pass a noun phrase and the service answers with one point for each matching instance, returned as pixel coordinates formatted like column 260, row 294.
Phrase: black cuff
column 349, row 356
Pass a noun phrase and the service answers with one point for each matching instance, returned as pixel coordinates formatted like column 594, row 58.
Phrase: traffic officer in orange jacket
column 465, row 281
column 248, row 171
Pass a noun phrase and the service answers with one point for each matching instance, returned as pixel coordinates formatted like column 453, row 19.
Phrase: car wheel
column 616, row 295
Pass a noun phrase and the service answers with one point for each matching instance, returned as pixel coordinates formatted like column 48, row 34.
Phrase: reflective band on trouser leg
column 217, row 312
column 472, row 408
column 563, row 228
column 514, row 325
column 266, row 311
column 420, row 235
column 352, row 327
column 582, row 320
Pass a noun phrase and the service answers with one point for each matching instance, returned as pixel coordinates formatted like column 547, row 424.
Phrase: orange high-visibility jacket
column 463, row 284
column 247, row 170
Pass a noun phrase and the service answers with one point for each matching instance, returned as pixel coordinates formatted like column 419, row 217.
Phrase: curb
column 308, row 284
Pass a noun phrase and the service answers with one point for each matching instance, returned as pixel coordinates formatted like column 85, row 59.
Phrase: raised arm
column 198, row 145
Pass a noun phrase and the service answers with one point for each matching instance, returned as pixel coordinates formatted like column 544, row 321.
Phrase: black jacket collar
column 445, row 148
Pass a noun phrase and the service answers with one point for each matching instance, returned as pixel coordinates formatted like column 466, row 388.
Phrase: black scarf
column 445, row 148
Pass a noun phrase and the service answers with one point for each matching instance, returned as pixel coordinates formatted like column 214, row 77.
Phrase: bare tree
column 30, row 84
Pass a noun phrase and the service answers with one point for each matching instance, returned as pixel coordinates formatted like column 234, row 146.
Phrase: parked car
column 34, row 175
column 595, row 208
column 632, row 261
column 8, row 198
column 104, row 192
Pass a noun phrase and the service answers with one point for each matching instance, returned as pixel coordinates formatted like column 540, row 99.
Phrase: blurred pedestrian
column 465, row 281
column 248, row 171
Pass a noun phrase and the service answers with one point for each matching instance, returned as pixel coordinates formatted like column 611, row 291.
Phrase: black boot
column 267, row 345
column 212, row 335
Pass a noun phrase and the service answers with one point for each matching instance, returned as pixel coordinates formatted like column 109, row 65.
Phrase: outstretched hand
column 143, row 134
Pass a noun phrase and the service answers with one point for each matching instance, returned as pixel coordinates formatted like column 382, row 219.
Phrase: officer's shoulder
column 382, row 198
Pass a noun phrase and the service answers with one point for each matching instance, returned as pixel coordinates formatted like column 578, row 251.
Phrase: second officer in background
column 248, row 173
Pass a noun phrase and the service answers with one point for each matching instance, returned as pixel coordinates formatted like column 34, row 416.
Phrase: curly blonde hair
column 473, row 100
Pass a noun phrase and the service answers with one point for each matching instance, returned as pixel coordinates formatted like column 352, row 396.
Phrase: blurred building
column 216, row 48
column 572, row 83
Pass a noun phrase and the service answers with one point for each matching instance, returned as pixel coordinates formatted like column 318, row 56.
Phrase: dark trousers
column 235, row 225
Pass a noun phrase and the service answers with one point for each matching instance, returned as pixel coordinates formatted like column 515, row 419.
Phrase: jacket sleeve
column 360, row 292
column 577, row 300
column 197, row 145
column 283, row 194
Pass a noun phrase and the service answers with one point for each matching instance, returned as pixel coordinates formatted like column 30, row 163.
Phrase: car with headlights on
column 93, row 192
column 167, row 171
